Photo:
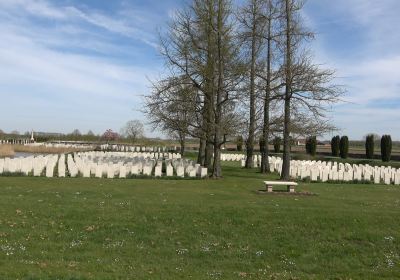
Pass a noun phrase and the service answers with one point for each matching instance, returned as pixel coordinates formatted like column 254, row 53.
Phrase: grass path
column 194, row 229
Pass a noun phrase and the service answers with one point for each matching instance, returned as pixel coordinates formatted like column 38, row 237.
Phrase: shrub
column 386, row 147
column 277, row 144
column 261, row 143
column 311, row 145
column 239, row 143
column 335, row 145
column 344, row 147
column 369, row 146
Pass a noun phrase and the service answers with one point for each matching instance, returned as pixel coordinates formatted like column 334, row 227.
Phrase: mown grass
column 76, row 228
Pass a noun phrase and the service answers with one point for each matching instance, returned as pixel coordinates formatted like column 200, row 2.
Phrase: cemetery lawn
column 75, row 228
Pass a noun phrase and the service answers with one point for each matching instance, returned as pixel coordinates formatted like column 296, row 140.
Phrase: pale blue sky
column 70, row 64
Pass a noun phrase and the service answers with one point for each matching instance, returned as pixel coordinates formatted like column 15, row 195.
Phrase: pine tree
column 369, row 146
column 344, row 147
column 277, row 144
column 335, row 146
column 386, row 148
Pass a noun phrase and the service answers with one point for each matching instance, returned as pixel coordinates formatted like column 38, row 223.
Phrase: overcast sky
column 86, row 64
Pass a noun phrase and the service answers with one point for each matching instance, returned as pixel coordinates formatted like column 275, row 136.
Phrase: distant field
column 7, row 150
column 196, row 229
column 356, row 150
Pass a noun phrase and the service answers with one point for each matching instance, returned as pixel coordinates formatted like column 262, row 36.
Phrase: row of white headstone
column 232, row 157
column 326, row 171
column 62, row 145
column 15, row 141
column 333, row 171
column 103, row 147
column 104, row 164
column 122, row 165
column 37, row 166
column 129, row 148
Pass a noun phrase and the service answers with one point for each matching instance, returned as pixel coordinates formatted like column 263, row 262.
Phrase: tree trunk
column 182, row 141
column 286, row 143
column 252, row 124
column 285, row 175
column 209, row 154
column 210, row 90
column 265, row 150
column 202, row 152
column 217, row 172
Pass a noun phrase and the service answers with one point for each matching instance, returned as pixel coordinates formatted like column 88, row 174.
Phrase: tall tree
column 252, row 22
column 227, row 77
column 271, row 15
column 200, row 47
column 188, row 49
column 308, row 89
column 288, row 83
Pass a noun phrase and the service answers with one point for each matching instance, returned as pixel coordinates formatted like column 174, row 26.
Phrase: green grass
column 192, row 229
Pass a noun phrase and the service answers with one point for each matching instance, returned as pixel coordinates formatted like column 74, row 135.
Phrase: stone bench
column 290, row 185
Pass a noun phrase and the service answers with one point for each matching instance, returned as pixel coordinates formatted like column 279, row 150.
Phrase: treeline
column 107, row 136
column 240, row 71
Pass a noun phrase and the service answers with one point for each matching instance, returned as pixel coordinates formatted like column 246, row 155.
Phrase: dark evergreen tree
column 386, row 148
column 344, row 147
column 369, row 146
column 311, row 145
column 335, row 146
column 277, row 144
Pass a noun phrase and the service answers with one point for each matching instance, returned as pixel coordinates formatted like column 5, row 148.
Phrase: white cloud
column 27, row 62
column 34, row 7
column 372, row 79
column 370, row 70
column 44, row 9
column 53, row 84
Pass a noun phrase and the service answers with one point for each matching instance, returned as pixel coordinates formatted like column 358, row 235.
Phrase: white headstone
column 170, row 170
column 158, row 171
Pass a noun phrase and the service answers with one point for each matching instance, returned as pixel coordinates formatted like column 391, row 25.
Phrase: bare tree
column 269, row 76
column 207, row 77
column 228, row 72
column 133, row 130
column 308, row 88
column 188, row 49
column 200, row 47
column 172, row 107
column 252, row 23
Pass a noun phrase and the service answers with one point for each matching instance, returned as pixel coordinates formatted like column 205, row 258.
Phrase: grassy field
column 196, row 229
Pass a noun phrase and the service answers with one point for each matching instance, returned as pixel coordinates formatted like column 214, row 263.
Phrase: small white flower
column 182, row 251
column 259, row 253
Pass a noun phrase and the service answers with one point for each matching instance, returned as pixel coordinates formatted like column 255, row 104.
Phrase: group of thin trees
column 240, row 71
